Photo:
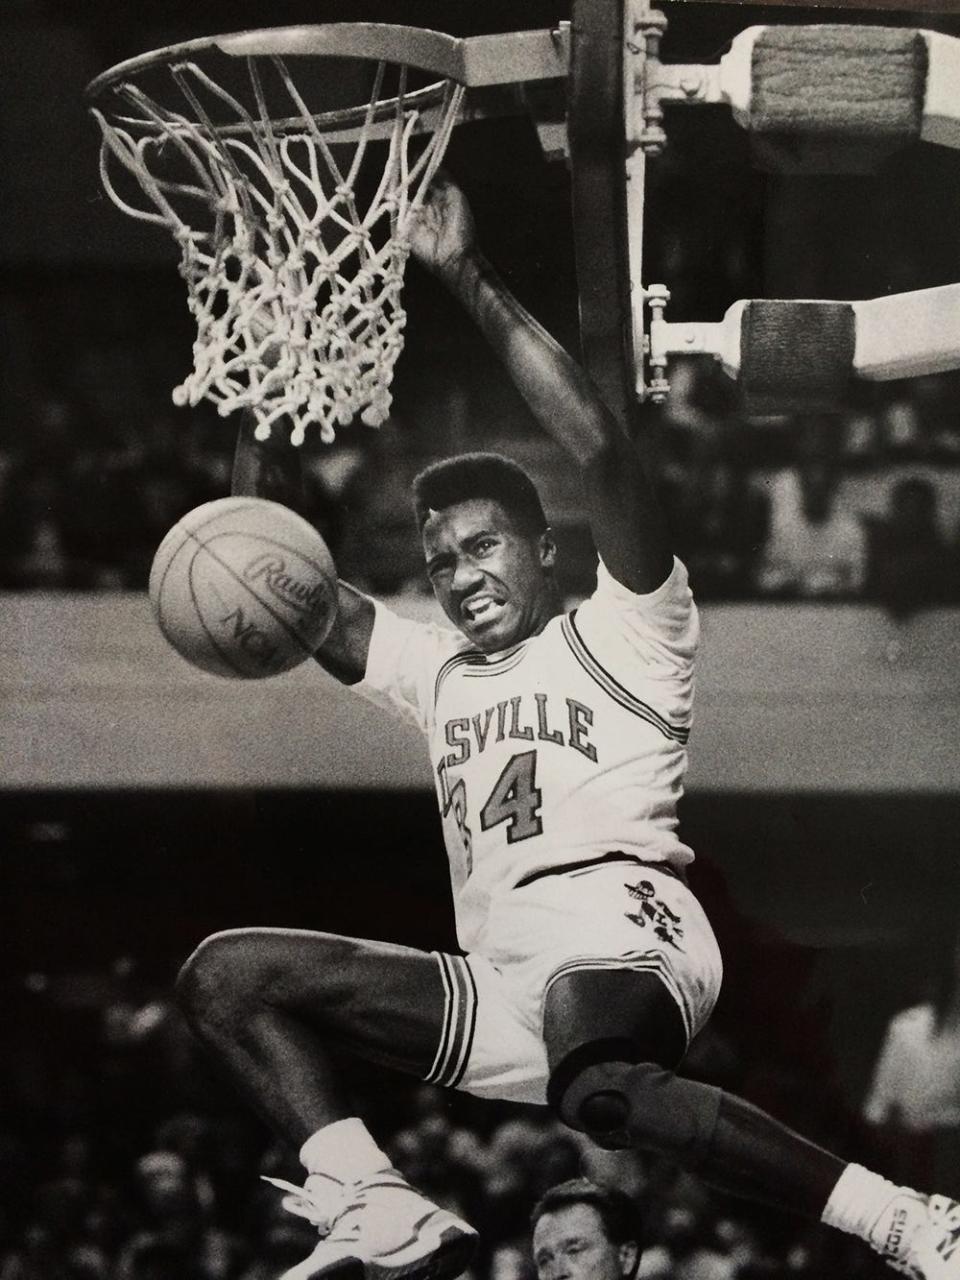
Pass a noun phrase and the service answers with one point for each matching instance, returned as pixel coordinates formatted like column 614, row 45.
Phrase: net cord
column 271, row 302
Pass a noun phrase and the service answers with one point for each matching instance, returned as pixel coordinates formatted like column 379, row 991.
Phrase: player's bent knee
column 222, row 976
column 604, row 1114
column 593, row 1101
column 230, row 974
column 641, row 1105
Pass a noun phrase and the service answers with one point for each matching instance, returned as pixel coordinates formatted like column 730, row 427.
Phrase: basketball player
column 559, row 746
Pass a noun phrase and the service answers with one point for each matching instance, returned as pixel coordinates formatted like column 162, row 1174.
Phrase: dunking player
column 559, row 745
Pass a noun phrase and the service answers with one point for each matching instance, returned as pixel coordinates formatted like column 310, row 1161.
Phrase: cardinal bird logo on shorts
column 654, row 913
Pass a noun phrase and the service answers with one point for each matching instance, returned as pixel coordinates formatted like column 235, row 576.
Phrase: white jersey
column 568, row 746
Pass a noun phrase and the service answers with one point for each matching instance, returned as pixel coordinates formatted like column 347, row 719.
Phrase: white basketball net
column 295, row 289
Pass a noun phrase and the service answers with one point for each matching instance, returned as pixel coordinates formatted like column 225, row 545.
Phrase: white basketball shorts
column 615, row 915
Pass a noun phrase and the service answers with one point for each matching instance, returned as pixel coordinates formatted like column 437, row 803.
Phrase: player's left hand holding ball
column 244, row 587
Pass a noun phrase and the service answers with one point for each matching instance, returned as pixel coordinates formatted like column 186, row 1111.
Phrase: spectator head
column 165, row 1185
column 913, row 505
column 186, row 1135
column 818, row 485
column 509, row 1262
column 582, row 1231
column 75, row 1157
column 817, row 438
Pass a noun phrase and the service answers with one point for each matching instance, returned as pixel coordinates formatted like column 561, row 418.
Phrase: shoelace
column 321, row 1208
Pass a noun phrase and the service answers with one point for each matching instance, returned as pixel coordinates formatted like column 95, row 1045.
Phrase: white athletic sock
column 343, row 1150
column 878, row 1211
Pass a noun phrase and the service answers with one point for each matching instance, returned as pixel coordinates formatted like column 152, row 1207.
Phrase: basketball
column 244, row 588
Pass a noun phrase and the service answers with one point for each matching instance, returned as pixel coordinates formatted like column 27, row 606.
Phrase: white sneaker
column 377, row 1229
column 933, row 1251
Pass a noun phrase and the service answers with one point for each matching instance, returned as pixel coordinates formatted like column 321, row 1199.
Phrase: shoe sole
column 451, row 1253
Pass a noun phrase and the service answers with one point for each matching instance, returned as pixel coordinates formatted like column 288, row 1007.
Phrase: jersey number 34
column 514, row 799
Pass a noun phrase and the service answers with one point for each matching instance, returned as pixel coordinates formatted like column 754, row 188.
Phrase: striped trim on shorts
column 459, row 1021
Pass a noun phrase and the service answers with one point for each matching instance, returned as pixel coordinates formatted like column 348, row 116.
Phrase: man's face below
column 491, row 578
column 571, row 1244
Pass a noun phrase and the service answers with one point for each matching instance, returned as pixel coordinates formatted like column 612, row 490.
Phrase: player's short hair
column 479, row 475
column 617, row 1211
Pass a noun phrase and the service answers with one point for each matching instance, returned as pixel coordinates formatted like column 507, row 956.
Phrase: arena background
column 143, row 805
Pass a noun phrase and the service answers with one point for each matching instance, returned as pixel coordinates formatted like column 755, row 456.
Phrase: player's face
column 572, row 1244
column 493, row 580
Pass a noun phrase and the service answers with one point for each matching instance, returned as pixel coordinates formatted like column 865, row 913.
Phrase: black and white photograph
column 457, row 459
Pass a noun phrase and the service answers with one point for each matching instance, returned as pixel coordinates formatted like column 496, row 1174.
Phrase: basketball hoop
column 291, row 218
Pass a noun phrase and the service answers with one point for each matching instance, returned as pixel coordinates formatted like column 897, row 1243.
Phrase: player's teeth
column 476, row 608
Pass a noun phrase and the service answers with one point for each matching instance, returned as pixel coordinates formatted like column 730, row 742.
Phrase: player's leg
column 614, row 1038
column 269, row 1005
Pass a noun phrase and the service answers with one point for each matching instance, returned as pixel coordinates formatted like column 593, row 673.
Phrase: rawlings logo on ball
column 244, row 588
column 272, row 569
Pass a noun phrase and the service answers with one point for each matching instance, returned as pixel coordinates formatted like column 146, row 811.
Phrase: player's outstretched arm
column 625, row 518
column 273, row 469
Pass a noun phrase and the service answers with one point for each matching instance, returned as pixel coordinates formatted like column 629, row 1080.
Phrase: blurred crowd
column 862, row 505
column 121, row 1158
column 852, row 505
